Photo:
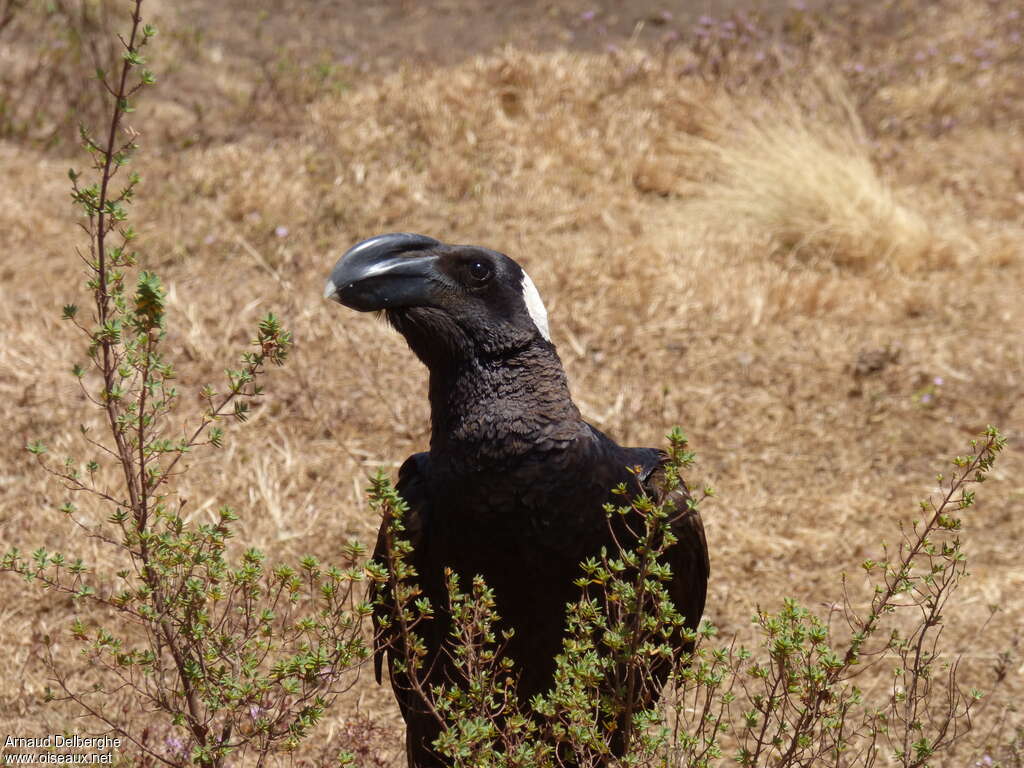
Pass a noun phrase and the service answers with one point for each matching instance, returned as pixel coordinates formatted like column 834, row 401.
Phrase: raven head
column 450, row 302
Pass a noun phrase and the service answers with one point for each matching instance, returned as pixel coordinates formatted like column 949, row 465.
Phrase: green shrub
column 791, row 700
column 239, row 657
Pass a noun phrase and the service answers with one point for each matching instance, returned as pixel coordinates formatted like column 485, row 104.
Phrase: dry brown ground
column 783, row 253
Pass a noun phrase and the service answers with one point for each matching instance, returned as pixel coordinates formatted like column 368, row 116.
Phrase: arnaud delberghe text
column 62, row 741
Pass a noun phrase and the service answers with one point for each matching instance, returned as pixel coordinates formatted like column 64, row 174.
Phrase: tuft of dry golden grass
column 796, row 166
column 788, row 271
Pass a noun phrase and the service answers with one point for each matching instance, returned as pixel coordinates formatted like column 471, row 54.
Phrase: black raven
column 514, row 483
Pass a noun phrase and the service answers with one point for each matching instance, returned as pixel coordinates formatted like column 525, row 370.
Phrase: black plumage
column 514, row 483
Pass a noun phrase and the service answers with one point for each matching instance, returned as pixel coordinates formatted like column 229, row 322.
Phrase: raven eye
column 480, row 271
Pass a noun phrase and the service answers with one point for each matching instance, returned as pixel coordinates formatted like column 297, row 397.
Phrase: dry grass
column 720, row 258
column 797, row 167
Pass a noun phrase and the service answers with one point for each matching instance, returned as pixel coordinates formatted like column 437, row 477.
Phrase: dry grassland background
column 801, row 241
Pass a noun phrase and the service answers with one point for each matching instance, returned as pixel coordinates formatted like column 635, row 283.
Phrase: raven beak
column 385, row 272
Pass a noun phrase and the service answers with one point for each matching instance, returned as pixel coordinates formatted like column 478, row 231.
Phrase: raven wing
column 421, row 724
column 688, row 558
column 412, row 487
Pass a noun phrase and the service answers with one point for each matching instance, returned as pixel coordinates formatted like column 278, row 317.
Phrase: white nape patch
column 330, row 290
column 535, row 306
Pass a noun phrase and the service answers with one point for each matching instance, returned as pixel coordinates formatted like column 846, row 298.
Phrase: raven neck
column 499, row 408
